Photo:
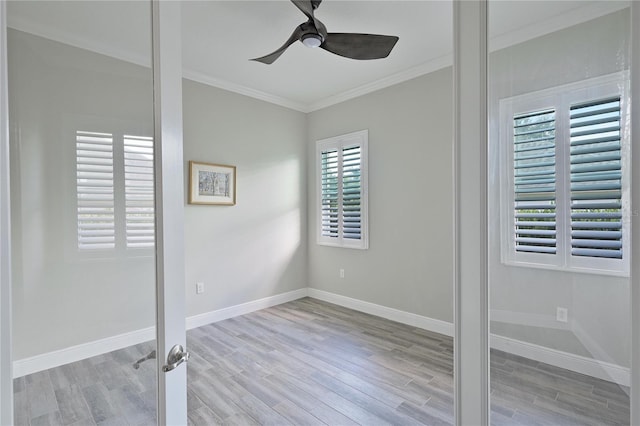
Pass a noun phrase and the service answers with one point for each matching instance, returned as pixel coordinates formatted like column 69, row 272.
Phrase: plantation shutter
column 596, row 179
column 139, row 191
column 351, row 192
column 342, row 180
column 330, row 193
column 535, row 182
column 95, row 192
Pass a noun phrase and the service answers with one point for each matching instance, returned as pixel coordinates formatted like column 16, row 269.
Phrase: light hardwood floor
column 309, row 362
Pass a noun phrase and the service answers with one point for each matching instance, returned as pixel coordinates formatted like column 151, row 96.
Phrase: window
column 114, row 191
column 342, row 189
column 565, row 192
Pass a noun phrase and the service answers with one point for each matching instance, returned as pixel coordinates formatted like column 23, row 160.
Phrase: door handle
column 152, row 355
column 177, row 355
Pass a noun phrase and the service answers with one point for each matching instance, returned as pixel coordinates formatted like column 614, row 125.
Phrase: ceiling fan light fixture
column 312, row 40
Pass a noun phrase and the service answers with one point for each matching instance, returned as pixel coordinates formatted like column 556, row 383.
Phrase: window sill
column 361, row 246
column 566, row 269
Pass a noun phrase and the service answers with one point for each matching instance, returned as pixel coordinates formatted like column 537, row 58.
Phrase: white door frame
column 169, row 207
column 635, row 216
column 471, row 336
column 6, row 370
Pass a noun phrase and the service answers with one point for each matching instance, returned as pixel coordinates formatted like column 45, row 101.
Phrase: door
column 95, row 165
column 512, row 363
column 171, row 311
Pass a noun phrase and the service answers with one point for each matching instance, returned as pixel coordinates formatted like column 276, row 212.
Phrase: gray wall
column 256, row 248
column 409, row 262
column 242, row 253
column 61, row 298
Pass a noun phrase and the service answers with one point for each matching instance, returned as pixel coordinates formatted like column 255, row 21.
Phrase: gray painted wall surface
column 409, row 262
column 60, row 297
column 256, row 248
column 242, row 253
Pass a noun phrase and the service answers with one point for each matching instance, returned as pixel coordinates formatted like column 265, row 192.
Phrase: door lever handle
column 152, row 355
column 177, row 355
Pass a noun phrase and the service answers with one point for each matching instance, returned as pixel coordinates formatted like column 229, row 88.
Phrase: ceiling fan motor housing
column 312, row 40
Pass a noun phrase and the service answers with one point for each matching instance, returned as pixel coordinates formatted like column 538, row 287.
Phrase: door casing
column 6, row 369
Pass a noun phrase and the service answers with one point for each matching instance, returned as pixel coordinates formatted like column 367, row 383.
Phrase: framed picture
column 212, row 184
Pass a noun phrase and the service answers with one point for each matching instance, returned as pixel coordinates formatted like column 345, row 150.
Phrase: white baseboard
column 620, row 375
column 601, row 365
column 431, row 324
column 53, row 359
column 580, row 364
column 33, row 364
column 526, row 318
column 244, row 308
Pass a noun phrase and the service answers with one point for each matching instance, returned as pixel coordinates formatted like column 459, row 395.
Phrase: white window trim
column 616, row 84
column 360, row 138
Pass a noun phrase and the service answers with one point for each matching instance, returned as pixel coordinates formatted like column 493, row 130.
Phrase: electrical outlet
column 562, row 314
column 199, row 288
column 341, row 273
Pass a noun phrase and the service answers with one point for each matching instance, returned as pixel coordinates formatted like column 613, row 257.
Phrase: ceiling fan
column 313, row 33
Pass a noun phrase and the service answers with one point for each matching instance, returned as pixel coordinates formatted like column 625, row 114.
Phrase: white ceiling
column 219, row 38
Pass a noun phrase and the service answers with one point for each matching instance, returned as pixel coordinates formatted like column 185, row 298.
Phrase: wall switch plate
column 199, row 288
column 341, row 273
column 562, row 314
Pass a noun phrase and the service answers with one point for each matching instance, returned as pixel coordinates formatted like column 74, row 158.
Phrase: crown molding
column 243, row 90
column 556, row 23
column 65, row 37
column 411, row 73
column 104, row 49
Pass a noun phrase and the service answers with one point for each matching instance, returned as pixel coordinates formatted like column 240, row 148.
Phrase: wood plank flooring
column 309, row 362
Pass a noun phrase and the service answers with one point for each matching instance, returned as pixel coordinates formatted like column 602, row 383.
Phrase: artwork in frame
column 212, row 184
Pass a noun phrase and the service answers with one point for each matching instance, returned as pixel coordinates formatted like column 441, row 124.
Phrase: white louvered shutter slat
column 351, row 192
column 534, row 171
column 95, row 190
column 139, row 191
column 330, row 193
column 596, row 179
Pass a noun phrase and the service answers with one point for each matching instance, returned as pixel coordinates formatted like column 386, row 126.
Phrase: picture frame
column 212, row 184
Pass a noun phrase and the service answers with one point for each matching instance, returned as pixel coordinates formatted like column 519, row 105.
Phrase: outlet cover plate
column 562, row 314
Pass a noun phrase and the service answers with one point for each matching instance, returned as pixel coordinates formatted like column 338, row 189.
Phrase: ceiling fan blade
column 307, row 7
column 359, row 46
column 271, row 57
